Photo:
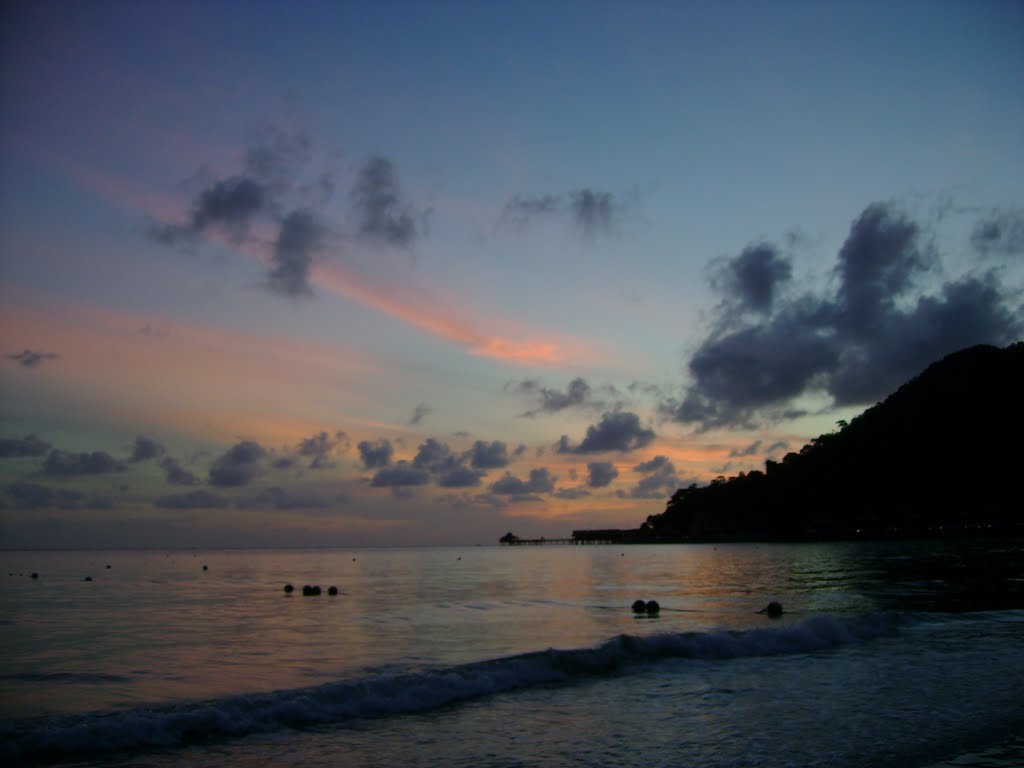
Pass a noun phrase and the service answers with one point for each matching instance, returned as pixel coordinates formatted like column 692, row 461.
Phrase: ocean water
column 887, row 654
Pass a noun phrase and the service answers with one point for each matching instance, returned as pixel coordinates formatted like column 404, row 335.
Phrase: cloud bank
column 857, row 344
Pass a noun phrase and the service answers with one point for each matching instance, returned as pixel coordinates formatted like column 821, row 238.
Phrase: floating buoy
column 34, row 575
column 288, row 588
column 108, row 566
column 652, row 607
column 311, row 590
column 639, row 606
column 332, row 591
column 87, row 578
column 773, row 609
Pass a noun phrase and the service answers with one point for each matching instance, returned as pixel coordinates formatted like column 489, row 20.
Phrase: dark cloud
column 30, row 445
column 601, row 473
column 434, row 456
column 617, row 431
column 35, row 496
column 192, row 500
column 1001, row 232
column 751, row 281
column 400, row 474
column 300, row 236
column 419, row 413
column 594, row 212
column 856, row 346
column 377, row 201
column 318, row 448
column 660, row 480
column 493, row 455
column 176, row 474
column 460, row 476
column 65, row 463
column 146, row 448
column 276, row 497
column 31, row 358
column 227, row 205
column 750, row 450
column 552, row 400
column 541, row 481
column 239, row 465
column 375, row 455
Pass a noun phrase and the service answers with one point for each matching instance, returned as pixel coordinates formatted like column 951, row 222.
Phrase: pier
column 610, row 536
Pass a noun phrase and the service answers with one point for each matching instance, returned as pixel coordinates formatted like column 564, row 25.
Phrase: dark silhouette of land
column 940, row 457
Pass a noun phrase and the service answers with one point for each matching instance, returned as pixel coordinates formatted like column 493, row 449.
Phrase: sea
column 886, row 654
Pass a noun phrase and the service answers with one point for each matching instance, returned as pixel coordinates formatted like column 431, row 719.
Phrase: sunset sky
column 371, row 273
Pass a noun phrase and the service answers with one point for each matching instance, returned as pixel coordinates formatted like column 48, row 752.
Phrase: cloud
column 419, row 413
column 400, row 474
column 1001, row 232
column 239, row 465
column 750, row 450
column 593, row 212
column 493, row 455
column 601, row 473
column 376, row 454
column 522, row 209
column 31, row 358
column 318, row 448
column 35, row 496
column 300, row 236
column 660, row 480
column 65, row 463
column 377, row 201
column 552, row 400
column 176, row 474
column 752, row 280
column 276, row 497
column 226, row 205
column 146, row 448
column 541, row 481
column 30, row 445
column 192, row 500
column 460, row 476
column 856, row 345
column 434, row 456
column 617, row 431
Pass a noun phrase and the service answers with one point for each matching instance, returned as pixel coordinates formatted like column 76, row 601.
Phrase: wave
column 398, row 693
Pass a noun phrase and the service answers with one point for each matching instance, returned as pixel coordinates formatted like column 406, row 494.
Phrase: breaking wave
column 398, row 693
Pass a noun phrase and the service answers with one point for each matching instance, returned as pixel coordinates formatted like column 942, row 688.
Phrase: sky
column 403, row 273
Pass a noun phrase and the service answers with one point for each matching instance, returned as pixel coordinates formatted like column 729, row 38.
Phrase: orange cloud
column 413, row 306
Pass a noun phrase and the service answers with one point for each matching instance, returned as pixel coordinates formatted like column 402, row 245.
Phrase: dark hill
column 941, row 456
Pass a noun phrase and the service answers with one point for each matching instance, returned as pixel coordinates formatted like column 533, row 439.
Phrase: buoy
column 87, row 578
column 332, row 591
column 652, row 607
column 34, row 575
column 288, row 588
column 310, row 590
column 773, row 609
column 108, row 566
column 639, row 606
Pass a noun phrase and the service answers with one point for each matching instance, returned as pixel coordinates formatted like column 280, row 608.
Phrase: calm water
column 887, row 654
